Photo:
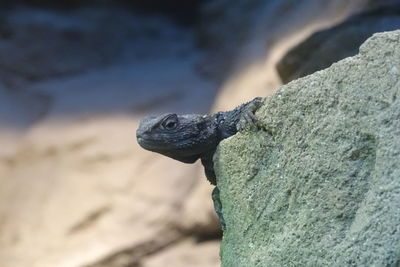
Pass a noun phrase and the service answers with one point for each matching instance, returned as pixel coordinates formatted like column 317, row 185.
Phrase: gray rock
column 319, row 184
column 325, row 47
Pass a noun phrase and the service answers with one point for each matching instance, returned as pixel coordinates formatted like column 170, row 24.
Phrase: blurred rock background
column 75, row 79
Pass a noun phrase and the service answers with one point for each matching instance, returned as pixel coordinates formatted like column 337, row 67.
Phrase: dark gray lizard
column 188, row 138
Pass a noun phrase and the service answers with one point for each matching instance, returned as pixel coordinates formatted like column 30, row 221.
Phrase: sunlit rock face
column 318, row 183
column 326, row 47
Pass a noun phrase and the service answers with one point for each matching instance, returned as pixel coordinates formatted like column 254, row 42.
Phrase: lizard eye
column 170, row 125
column 170, row 122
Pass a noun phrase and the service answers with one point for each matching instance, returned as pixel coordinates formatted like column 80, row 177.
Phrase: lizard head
column 181, row 137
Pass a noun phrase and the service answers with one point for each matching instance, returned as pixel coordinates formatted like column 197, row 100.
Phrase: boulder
column 318, row 184
column 325, row 47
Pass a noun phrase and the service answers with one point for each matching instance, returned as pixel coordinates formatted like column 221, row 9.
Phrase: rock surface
column 319, row 184
column 323, row 48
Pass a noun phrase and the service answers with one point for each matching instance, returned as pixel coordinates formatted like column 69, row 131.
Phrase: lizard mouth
column 143, row 142
column 149, row 144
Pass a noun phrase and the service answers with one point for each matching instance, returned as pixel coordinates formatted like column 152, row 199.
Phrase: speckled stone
column 319, row 183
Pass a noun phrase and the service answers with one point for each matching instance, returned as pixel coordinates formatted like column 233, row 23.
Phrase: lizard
column 190, row 137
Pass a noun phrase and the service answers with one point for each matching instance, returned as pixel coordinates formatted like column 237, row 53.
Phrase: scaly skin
column 188, row 138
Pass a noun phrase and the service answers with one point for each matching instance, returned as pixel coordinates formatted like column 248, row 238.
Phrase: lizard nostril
column 142, row 134
column 139, row 132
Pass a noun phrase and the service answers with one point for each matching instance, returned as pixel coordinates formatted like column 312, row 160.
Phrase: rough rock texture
column 319, row 184
column 323, row 48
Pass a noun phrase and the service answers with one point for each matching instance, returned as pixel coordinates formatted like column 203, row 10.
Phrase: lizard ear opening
column 202, row 124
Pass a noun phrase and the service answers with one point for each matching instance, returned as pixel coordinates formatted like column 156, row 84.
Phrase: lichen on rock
column 318, row 184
